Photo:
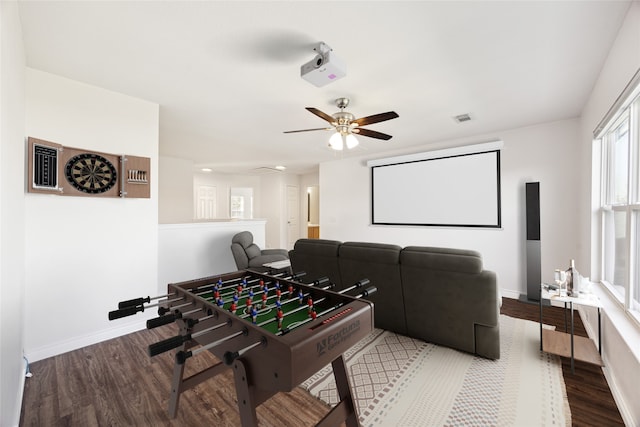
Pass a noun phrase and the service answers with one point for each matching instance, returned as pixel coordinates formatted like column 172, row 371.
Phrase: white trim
column 631, row 90
column 447, row 152
column 625, row 413
column 21, row 386
column 75, row 343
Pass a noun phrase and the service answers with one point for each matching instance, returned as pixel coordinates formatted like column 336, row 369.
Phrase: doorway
column 313, row 212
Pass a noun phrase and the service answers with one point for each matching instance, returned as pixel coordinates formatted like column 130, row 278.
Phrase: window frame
column 627, row 108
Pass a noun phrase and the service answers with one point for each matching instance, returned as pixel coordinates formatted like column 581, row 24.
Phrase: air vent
column 264, row 171
column 462, row 118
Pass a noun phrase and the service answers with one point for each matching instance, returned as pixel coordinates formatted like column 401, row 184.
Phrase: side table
column 565, row 343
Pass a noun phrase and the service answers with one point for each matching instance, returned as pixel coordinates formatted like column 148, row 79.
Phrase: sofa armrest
column 283, row 252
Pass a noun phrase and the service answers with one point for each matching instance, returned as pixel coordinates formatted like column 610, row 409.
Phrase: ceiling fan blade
column 376, row 118
column 372, row 134
column 322, row 115
column 305, row 130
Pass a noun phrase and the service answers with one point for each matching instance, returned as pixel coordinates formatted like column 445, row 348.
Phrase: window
column 241, row 203
column 619, row 138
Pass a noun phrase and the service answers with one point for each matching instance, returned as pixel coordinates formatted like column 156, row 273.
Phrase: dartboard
column 90, row 173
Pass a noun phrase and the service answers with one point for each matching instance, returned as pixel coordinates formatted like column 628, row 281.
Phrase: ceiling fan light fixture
column 351, row 141
column 336, row 142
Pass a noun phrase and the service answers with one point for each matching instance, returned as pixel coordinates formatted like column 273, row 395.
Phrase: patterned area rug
column 400, row 381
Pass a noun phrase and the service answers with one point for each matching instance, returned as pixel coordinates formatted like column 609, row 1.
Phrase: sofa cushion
column 244, row 238
column 317, row 258
column 446, row 259
column 252, row 251
column 379, row 263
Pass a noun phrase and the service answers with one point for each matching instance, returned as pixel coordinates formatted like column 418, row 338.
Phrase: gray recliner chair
column 248, row 255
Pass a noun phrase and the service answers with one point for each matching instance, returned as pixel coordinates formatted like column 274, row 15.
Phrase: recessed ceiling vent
column 264, row 171
column 462, row 118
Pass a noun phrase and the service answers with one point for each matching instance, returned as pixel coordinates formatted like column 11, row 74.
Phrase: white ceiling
column 226, row 74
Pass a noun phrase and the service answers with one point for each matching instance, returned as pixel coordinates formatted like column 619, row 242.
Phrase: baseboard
column 625, row 413
column 621, row 400
column 75, row 343
column 16, row 416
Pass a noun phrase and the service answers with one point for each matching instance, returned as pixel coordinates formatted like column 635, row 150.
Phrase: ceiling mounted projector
column 325, row 68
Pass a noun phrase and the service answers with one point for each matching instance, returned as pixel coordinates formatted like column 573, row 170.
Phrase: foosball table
column 272, row 330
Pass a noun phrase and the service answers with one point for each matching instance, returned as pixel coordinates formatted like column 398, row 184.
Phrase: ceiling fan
column 346, row 125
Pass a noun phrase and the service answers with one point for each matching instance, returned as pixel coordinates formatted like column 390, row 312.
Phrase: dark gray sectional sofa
column 437, row 295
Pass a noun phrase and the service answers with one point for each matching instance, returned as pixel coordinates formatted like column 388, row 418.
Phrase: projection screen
column 457, row 190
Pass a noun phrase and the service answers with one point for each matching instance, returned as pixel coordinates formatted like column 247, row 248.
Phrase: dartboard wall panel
column 68, row 171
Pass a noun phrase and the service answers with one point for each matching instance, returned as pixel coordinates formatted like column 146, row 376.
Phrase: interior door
column 206, row 205
column 293, row 215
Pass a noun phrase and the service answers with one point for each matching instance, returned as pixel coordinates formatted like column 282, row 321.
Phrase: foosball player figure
column 278, row 305
column 220, row 302
column 248, row 306
column 254, row 315
column 279, row 316
column 300, row 297
column 233, row 307
column 216, row 295
column 264, row 300
column 310, row 304
column 290, row 290
column 313, row 314
column 278, row 294
column 241, row 286
column 261, row 283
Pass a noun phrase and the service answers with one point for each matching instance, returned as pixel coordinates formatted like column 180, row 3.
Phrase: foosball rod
column 130, row 311
column 177, row 341
column 182, row 356
column 166, row 319
column 360, row 283
column 363, row 294
column 171, row 317
column 230, row 356
column 141, row 301
column 250, row 283
column 290, row 300
column 295, row 310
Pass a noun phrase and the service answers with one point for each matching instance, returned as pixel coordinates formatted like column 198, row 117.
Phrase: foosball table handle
column 168, row 344
column 368, row 292
column 124, row 312
column 162, row 320
column 134, row 302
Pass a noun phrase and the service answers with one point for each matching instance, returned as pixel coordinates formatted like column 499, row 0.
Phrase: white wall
column 175, row 192
column 84, row 254
column 12, row 208
column 543, row 153
column 192, row 251
column 620, row 334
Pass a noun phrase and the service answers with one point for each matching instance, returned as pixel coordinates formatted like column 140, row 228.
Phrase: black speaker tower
column 534, row 267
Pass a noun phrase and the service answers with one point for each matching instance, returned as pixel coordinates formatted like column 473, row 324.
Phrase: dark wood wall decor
column 68, row 171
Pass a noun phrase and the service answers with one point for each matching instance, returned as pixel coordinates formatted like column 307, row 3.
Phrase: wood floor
column 589, row 395
column 115, row 383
